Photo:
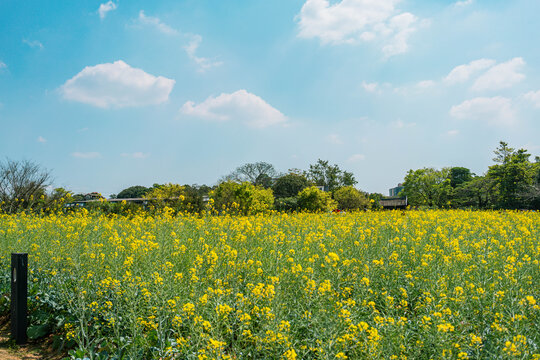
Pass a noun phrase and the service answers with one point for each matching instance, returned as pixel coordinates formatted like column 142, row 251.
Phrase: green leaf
column 35, row 332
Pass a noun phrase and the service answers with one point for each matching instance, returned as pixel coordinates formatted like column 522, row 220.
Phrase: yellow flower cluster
column 378, row 285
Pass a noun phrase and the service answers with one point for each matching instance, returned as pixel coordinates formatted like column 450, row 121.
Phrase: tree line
column 256, row 187
column 512, row 182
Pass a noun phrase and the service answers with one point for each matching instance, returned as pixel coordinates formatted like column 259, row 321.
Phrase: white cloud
column 353, row 21
column 3, row 65
column 203, row 63
column 534, row 97
column 496, row 110
column 239, row 106
column 157, row 23
column 462, row 73
column 357, row 157
column 399, row 124
column 41, row 139
column 33, row 43
column 425, row 84
column 402, row 27
column 371, row 87
column 501, row 76
column 86, row 155
column 334, row 139
column 194, row 41
column 463, row 3
column 105, row 8
column 452, row 132
column 135, row 155
column 117, row 85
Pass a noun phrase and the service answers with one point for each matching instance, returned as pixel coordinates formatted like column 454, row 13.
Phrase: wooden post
column 19, row 296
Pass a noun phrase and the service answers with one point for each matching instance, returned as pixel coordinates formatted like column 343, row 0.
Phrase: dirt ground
column 34, row 350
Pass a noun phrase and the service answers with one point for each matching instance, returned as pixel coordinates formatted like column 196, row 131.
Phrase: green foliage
column 477, row 193
column 244, row 198
column 133, row 192
column 290, row 185
column 349, row 198
column 427, row 187
column 117, row 207
column 329, row 176
column 194, row 197
column 57, row 199
column 513, row 175
column 313, row 199
column 459, row 175
column 167, row 195
column 513, row 182
column 286, row 203
column 374, row 199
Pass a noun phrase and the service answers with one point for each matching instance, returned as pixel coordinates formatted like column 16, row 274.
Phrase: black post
column 19, row 294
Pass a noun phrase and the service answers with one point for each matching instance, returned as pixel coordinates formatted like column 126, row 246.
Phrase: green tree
column 349, row 198
column 194, row 196
column 167, row 195
column 313, row 199
column 459, row 175
column 513, row 175
column 329, row 176
column 427, row 186
column 244, row 198
column 374, row 199
column 57, row 199
column 286, row 203
column 531, row 196
column 133, row 192
column 478, row 193
column 290, row 185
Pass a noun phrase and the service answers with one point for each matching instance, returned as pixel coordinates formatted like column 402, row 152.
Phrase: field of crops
column 369, row 285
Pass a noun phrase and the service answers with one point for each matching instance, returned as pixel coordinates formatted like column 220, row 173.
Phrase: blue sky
column 112, row 94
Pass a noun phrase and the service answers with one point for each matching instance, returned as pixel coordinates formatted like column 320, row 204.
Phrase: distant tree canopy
column 243, row 198
column 513, row 182
column 427, row 186
column 329, row 176
column 132, row 192
column 313, row 199
column 349, row 198
column 514, row 176
column 290, row 185
column 459, row 175
column 194, row 196
column 259, row 173
column 167, row 195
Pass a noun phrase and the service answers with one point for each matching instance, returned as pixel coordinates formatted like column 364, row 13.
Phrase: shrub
column 349, row 198
column 287, row 204
column 313, row 199
column 244, row 198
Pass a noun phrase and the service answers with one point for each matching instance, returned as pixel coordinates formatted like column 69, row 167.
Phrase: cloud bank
column 497, row 110
column 501, row 76
column 355, row 21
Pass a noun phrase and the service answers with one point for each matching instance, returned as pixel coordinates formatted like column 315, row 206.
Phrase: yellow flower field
column 368, row 285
